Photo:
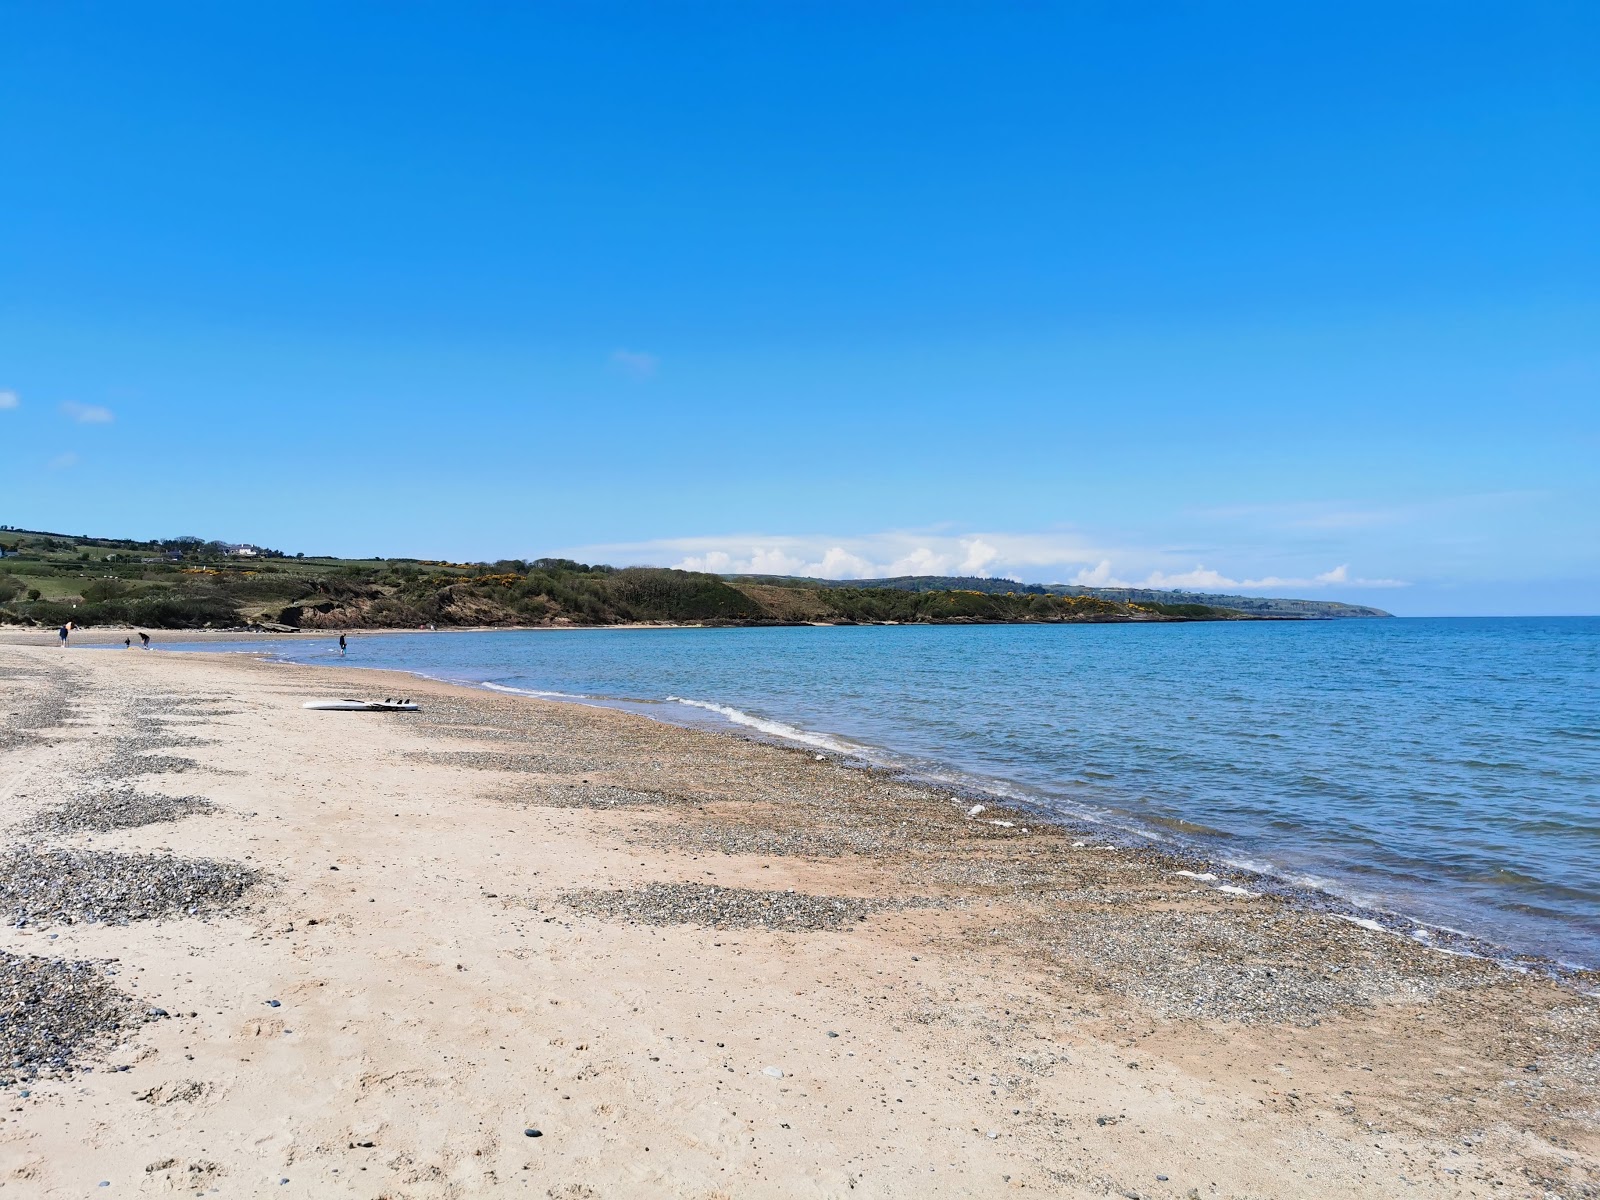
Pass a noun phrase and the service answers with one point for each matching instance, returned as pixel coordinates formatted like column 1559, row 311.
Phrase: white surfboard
column 361, row 706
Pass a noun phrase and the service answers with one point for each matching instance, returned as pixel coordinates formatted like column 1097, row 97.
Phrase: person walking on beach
column 63, row 633
column 144, row 639
column 341, row 645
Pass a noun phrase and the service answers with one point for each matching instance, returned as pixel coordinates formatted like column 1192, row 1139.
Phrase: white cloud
column 88, row 414
column 1099, row 576
column 868, row 556
column 62, row 461
column 1199, row 578
column 1030, row 557
column 9, row 399
column 636, row 363
column 1205, row 579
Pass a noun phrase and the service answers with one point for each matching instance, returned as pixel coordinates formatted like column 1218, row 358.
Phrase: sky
column 1287, row 298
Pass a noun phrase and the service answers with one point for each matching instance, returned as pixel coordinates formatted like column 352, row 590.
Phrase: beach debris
column 1228, row 889
column 54, row 1011
column 115, row 807
column 1202, row 876
column 974, row 810
column 727, row 907
column 774, row 1072
column 42, row 887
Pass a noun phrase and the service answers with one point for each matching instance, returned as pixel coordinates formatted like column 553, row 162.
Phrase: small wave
column 1364, row 922
column 516, row 691
column 789, row 733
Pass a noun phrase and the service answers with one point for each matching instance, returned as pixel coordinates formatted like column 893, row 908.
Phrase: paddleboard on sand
column 361, row 705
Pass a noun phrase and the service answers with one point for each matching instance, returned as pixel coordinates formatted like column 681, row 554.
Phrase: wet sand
column 694, row 964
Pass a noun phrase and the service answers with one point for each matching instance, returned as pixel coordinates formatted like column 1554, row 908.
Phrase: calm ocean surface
column 1443, row 769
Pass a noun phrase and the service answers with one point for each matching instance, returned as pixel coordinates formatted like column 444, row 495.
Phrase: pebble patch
column 44, row 887
column 111, row 808
column 52, row 1012
column 727, row 908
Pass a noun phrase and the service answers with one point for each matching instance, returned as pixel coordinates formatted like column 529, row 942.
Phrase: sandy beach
column 508, row 945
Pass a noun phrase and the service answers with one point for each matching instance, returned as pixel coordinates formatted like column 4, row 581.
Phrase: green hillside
column 1159, row 599
column 47, row 579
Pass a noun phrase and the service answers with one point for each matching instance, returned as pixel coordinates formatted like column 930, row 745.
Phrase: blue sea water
column 1443, row 769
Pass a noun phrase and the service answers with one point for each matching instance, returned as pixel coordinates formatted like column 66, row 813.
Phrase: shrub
column 656, row 594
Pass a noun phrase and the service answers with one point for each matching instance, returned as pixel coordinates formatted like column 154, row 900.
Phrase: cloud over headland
column 1059, row 557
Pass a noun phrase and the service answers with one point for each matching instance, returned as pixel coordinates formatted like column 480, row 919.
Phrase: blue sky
column 1299, row 298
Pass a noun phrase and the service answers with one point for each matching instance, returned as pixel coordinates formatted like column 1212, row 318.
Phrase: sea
column 1439, row 773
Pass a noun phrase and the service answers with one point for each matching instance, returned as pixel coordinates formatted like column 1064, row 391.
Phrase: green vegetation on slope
column 188, row 583
column 1172, row 602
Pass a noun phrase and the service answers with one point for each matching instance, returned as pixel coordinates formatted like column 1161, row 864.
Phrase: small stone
column 274, row 1004
column 831, row 1033
column 532, row 1133
column 775, row 1072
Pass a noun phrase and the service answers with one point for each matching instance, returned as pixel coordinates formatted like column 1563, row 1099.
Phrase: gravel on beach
column 44, row 887
column 1279, row 965
column 43, row 702
column 586, row 795
column 114, row 807
column 727, row 908
column 53, row 1011
column 515, row 763
column 127, row 766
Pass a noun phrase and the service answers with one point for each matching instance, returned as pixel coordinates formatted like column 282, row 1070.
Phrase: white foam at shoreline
column 516, row 691
column 1364, row 922
column 931, row 773
column 788, row 733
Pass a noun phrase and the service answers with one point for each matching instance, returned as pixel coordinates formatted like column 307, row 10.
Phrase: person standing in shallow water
column 341, row 644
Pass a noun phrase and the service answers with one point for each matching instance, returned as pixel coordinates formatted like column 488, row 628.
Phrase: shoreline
column 1124, row 830
column 782, row 976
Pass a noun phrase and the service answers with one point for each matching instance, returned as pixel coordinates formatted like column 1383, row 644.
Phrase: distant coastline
column 49, row 579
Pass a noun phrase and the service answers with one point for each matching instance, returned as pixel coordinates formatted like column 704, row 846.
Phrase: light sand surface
column 1013, row 1013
